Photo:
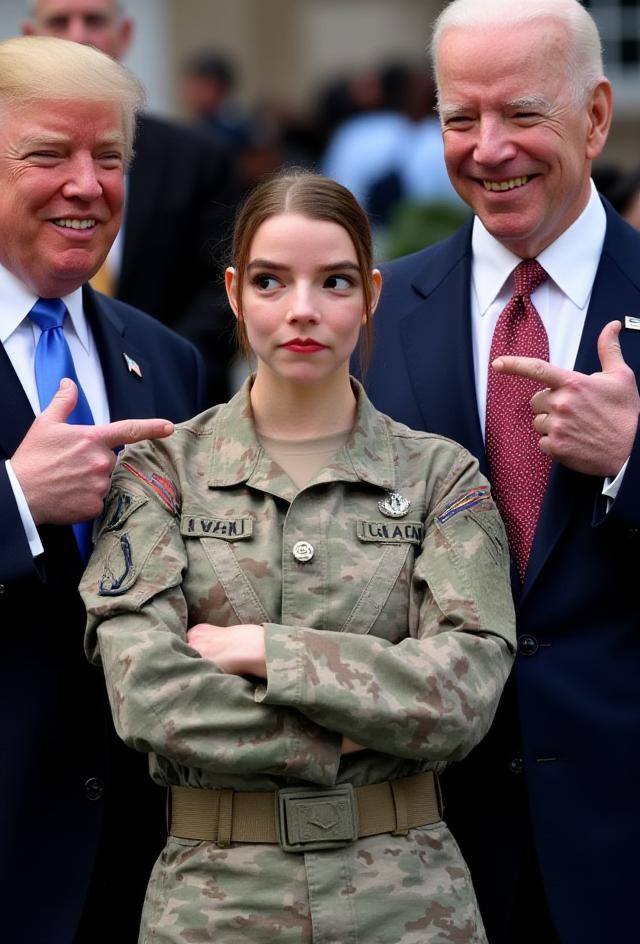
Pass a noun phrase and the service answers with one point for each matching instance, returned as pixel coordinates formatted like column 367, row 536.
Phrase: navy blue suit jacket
column 575, row 686
column 70, row 792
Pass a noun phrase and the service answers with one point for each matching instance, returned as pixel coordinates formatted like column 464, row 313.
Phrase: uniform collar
column 237, row 456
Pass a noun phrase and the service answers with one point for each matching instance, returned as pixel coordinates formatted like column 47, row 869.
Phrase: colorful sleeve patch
column 165, row 489
column 465, row 501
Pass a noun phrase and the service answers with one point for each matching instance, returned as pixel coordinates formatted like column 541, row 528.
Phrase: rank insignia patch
column 165, row 489
column 394, row 505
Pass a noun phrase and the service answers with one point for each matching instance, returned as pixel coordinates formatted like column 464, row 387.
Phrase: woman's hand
column 237, row 650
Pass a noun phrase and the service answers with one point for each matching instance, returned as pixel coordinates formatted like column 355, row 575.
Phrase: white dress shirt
column 19, row 336
column 571, row 263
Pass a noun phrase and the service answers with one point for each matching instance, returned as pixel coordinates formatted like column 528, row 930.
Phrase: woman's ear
column 231, row 285
column 376, row 281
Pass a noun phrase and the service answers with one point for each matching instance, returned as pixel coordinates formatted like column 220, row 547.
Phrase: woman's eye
column 265, row 282
column 339, row 282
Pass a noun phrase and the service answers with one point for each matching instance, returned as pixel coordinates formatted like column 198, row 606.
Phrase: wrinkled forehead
column 533, row 53
column 103, row 9
column 84, row 120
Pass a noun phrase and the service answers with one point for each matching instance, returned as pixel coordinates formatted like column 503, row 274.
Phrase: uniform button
column 516, row 764
column 528, row 645
column 94, row 788
column 303, row 551
column 2, row 589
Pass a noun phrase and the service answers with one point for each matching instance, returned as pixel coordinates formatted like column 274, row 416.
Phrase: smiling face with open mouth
column 518, row 143
column 61, row 191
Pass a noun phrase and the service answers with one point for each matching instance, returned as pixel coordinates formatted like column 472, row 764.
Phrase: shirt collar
column 571, row 261
column 16, row 301
column 237, row 455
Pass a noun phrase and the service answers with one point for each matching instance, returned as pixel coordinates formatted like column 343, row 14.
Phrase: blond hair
column 43, row 68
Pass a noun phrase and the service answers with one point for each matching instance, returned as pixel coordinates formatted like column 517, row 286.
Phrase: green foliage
column 416, row 225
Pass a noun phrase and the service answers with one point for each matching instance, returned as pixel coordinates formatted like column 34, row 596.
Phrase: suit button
column 94, row 788
column 516, row 764
column 528, row 645
column 2, row 589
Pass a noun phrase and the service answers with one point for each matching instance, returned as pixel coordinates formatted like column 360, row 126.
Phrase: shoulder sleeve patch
column 463, row 502
column 165, row 488
column 119, row 573
column 119, row 507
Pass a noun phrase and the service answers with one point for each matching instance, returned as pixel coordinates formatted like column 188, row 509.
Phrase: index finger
column 534, row 368
column 124, row 432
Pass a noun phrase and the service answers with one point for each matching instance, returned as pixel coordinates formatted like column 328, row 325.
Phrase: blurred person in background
column 622, row 190
column 180, row 198
column 390, row 152
column 208, row 81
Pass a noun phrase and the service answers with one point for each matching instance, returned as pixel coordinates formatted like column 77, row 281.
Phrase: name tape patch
column 229, row 529
column 390, row 532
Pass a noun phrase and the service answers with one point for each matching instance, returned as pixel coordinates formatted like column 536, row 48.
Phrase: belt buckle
column 310, row 820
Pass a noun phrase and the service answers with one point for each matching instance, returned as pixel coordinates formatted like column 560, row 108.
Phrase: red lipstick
column 304, row 346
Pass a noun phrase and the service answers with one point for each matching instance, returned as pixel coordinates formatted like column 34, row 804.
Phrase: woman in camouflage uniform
column 303, row 613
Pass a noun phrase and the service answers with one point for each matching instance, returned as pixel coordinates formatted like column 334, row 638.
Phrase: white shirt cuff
column 612, row 486
column 30, row 530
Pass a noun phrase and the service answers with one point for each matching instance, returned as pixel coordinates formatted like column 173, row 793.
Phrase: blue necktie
column 53, row 361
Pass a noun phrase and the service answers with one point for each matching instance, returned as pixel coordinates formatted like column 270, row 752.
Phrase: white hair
column 584, row 48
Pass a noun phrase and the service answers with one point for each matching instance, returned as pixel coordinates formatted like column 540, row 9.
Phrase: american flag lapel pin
column 132, row 366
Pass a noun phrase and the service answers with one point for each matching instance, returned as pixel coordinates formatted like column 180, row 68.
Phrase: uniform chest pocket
column 217, row 537
column 388, row 584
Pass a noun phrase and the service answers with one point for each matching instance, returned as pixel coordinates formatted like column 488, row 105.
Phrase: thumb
column 609, row 350
column 63, row 403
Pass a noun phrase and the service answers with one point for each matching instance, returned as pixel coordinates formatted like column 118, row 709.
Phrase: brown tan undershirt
column 302, row 459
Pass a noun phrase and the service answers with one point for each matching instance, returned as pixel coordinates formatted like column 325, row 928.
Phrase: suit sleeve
column 16, row 559
column 201, row 398
column 431, row 696
column 624, row 511
column 164, row 696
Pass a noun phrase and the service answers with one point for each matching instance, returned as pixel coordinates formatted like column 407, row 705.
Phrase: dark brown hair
column 317, row 198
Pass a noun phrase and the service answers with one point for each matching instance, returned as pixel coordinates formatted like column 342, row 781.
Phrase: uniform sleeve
column 433, row 695
column 164, row 696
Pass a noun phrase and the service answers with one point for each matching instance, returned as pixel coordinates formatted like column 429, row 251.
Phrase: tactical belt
column 303, row 819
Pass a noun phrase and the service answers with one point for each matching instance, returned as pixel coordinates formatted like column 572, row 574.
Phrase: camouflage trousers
column 412, row 889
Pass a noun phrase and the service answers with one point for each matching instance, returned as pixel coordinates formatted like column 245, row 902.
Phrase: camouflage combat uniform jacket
column 397, row 633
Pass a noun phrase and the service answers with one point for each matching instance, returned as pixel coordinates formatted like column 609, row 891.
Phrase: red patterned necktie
column 519, row 471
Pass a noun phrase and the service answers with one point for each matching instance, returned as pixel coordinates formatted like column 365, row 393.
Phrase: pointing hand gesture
column 64, row 470
column 587, row 422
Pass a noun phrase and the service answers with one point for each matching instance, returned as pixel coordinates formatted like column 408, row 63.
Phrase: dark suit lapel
column 129, row 395
column 17, row 415
column 616, row 293
column 437, row 345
